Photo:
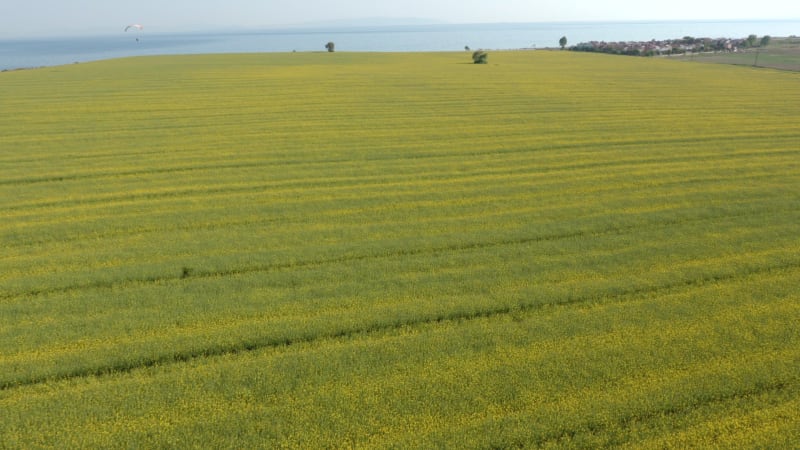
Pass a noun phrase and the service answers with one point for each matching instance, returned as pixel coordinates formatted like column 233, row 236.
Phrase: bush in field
column 330, row 46
column 480, row 57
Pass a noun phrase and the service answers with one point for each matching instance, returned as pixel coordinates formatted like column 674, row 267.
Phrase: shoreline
column 125, row 52
column 30, row 52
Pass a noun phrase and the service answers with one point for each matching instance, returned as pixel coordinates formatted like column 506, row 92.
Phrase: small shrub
column 480, row 57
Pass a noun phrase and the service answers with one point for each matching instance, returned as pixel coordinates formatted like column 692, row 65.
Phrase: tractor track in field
column 415, row 157
column 181, row 275
column 598, row 427
column 241, row 347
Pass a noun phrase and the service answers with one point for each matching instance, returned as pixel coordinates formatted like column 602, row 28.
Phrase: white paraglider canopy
column 135, row 25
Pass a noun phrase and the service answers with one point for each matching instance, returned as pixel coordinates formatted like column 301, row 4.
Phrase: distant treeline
column 683, row 45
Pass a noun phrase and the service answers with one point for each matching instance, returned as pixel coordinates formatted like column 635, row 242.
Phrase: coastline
column 32, row 53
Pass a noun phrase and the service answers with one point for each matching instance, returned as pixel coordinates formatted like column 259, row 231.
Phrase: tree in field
column 765, row 41
column 562, row 42
column 751, row 40
column 480, row 57
column 330, row 46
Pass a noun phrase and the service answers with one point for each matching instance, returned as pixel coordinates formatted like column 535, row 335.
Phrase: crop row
column 169, row 317
column 580, row 374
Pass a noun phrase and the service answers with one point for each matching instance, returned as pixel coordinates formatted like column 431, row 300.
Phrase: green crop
column 318, row 250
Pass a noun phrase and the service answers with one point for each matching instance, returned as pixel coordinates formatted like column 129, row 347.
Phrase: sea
column 52, row 51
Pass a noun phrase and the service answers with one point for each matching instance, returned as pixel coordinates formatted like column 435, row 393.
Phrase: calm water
column 23, row 53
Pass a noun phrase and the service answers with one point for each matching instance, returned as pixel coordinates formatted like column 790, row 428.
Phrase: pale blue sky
column 31, row 18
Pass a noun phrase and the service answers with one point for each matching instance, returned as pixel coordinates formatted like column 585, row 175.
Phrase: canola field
column 347, row 250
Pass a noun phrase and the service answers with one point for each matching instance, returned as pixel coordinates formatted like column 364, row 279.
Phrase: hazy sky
column 53, row 17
